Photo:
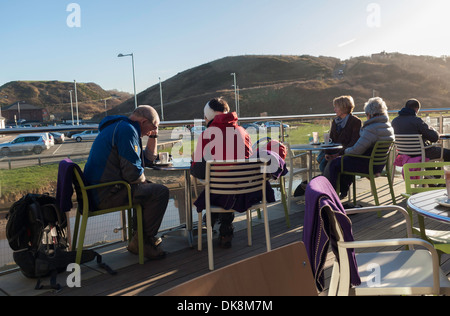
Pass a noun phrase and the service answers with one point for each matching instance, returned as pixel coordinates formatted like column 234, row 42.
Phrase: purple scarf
column 316, row 232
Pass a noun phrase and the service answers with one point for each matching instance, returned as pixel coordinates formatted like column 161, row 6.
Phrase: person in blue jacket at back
column 118, row 154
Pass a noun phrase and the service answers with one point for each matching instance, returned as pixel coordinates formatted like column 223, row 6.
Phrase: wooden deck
column 155, row 277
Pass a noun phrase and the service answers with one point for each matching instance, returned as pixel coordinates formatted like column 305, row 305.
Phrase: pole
column 235, row 94
column 71, row 106
column 162, row 105
column 134, row 83
column 76, row 102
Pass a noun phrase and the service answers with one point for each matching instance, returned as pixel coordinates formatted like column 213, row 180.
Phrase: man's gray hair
column 376, row 107
column 148, row 112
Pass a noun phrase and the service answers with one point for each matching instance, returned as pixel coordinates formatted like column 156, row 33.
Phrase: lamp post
column 76, row 102
column 235, row 94
column 162, row 105
column 134, row 78
column 71, row 106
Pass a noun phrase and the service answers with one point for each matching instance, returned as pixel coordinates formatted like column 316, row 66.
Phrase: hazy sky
column 79, row 40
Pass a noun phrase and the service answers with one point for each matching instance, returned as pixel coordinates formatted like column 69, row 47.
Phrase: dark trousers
column 351, row 164
column 153, row 198
column 435, row 153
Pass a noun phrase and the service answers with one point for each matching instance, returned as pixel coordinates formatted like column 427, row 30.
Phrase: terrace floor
column 184, row 263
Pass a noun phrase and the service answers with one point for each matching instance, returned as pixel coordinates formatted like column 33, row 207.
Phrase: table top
column 175, row 164
column 320, row 146
column 426, row 204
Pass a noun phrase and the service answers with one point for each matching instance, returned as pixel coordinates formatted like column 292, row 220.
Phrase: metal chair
column 421, row 177
column 84, row 210
column 413, row 145
column 370, row 272
column 234, row 178
column 379, row 157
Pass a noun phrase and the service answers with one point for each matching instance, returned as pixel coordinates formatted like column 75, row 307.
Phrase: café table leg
column 188, row 207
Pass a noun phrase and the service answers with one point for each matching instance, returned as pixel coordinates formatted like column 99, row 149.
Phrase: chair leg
column 266, row 228
column 391, row 189
column 249, row 227
column 354, row 191
column 84, row 221
column 334, row 282
column 140, row 233
column 199, row 231
column 75, row 231
column 209, row 235
column 286, row 202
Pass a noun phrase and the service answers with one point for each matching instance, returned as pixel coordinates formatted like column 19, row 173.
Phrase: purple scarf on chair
column 316, row 234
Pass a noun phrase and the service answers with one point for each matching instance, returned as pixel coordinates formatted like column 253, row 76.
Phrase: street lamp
column 76, row 101
column 71, row 105
column 134, row 78
column 162, row 105
column 235, row 94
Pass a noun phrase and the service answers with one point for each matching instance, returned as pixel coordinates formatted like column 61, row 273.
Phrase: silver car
column 85, row 135
column 25, row 143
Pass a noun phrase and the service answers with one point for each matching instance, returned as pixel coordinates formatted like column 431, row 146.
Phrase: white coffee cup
column 164, row 157
column 327, row 139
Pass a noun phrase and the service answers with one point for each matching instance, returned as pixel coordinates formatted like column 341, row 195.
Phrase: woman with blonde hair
column 345, row 127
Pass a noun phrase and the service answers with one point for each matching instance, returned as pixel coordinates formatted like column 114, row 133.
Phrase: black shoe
column 225, row 241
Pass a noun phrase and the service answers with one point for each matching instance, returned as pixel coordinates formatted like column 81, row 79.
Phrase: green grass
column 29, row 179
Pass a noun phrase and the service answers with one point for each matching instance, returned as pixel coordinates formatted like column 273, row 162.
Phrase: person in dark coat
column 344, row 130
column 407, row 122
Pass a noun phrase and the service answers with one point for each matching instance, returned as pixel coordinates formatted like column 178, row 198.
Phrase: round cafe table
column 314, row 147
column 426, row 204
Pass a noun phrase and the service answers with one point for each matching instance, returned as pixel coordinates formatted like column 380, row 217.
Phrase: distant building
column 24, row 112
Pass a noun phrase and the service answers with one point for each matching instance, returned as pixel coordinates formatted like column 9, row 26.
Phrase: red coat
column 224, row 139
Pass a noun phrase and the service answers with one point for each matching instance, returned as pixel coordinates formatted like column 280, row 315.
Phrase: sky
column 80, row 40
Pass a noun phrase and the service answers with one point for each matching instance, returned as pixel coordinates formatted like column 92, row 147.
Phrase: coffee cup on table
column 447, row 180
column 326, row 138
column 164, row 157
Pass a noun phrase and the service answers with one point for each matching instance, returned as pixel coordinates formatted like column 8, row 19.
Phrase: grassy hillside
column 290, row 85
column 54, row 95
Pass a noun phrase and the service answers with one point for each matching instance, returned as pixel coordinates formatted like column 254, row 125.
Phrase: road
column 69, row 148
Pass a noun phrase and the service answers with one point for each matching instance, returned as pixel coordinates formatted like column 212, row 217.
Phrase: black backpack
column 37, row 232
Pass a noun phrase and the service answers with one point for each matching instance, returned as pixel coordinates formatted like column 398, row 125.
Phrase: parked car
column 48, row 138
column 86, row 135
column 275, row 124
column 253, row 126
column 25, row 143
column 197, row 129
column 58, row 137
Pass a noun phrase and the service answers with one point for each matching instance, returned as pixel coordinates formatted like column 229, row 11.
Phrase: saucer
column 159, row 164
column 443, row 202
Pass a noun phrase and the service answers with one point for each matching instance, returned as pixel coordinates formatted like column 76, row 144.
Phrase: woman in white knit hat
column 223, row 139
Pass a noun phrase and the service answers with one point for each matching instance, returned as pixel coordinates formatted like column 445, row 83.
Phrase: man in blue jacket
column 407, row 122
column 118, row 154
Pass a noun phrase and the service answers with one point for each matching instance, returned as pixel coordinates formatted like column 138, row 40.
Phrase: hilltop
column 295, row 85
column 55, row 96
